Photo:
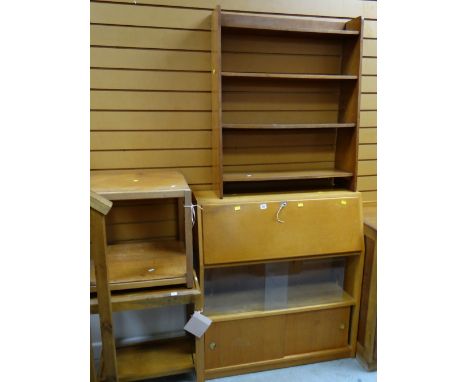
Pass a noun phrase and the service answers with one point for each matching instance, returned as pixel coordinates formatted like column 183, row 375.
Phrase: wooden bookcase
column 285, row 102
column 281, row 278
column 148, row 359
column 141, row 264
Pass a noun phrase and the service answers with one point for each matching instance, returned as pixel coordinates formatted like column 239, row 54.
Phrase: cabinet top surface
column 139, row 184
column 209, row 197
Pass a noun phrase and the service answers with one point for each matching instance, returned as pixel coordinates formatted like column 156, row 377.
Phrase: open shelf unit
column 142, row 264
column 285, row 99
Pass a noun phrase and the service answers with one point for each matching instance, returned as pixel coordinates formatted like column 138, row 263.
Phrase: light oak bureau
column 281, row 278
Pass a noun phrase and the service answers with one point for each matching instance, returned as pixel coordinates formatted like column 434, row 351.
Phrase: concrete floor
column 342, row 370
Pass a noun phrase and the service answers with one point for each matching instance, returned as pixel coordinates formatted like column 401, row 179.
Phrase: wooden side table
column 143, row 264
column 141, row 274
column 367, row 332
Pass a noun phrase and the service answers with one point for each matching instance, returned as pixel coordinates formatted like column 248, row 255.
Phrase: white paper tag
column 198, row 324
column 173, row 293
column 263, row 206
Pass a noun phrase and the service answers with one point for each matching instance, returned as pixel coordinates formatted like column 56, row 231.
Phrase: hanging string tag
column 193, row 213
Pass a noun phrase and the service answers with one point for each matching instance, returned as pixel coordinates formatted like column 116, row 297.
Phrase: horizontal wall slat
column 369, row 66
column 150, row 120
column 133, row 37
column 368, row 118
column 369, row 9
column 332, row 8
column 193, row 175
column 128, row 100
column 105, row 57
column 162, row 17
column 369, row 196
column 369, row 84
column 149, row 159
column 367, row 151
column 369, row 48
column 370, row 29
column 368, row 101
column 368, row 135
column 143, row 80
column 128, row 140
column 367, row 167
column 167, row 17
column 367, row 183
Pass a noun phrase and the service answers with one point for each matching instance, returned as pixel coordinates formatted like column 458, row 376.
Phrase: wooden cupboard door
column 253, row 231
column 239, row 342
column 317, row 330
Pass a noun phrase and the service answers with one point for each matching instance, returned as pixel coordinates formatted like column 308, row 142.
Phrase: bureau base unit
column 260, row 343
column 281, row 278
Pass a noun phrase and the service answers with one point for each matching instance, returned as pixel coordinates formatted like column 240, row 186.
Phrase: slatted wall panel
column 150, row 91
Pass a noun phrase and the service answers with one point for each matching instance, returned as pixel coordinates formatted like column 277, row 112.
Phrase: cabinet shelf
column 155, row 359
column 144, row 264
column 284, row 175
column 251, row 303
column 290, row 76
column 150, row 297
column 286, row 126
column 279, row 24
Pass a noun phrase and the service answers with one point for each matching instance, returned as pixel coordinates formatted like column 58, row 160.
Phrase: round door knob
column 213, row 345
column 342, row 326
